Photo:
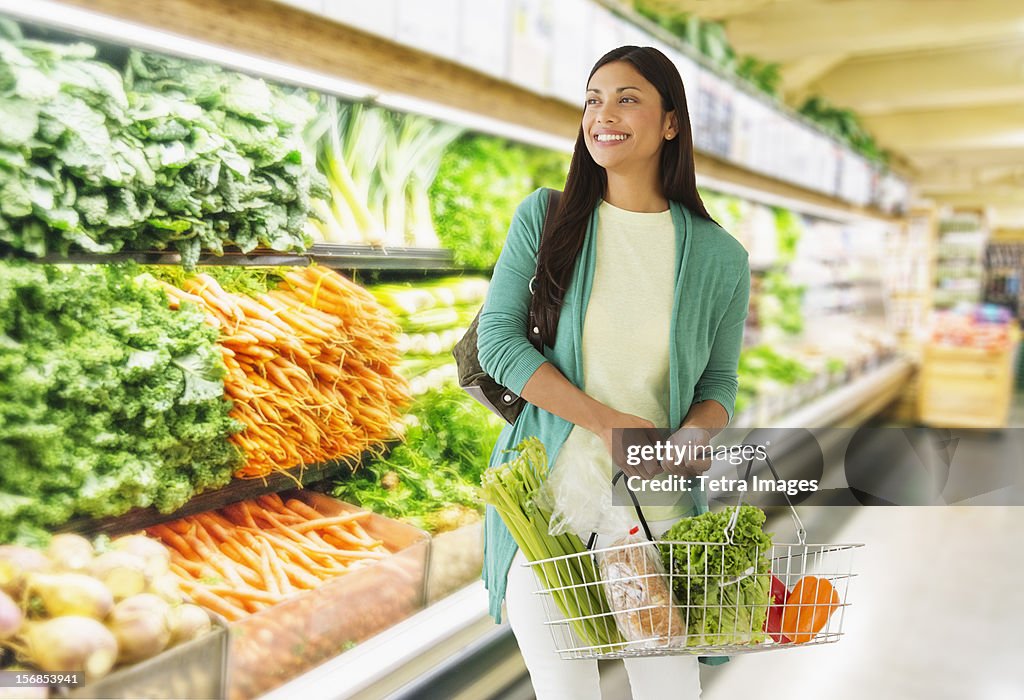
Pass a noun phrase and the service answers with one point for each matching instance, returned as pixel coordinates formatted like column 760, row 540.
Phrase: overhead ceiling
column 939, row 82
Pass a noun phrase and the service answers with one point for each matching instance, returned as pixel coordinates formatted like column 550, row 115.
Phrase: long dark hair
column 587, row 182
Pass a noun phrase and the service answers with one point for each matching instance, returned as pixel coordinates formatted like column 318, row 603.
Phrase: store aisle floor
column 936, row 615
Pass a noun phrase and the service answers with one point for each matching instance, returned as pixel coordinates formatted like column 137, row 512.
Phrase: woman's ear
column 671, row 125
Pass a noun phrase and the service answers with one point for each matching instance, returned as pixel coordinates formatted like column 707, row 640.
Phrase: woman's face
column 624, row 125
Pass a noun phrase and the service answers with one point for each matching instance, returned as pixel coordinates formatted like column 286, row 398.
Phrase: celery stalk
column 510, row 488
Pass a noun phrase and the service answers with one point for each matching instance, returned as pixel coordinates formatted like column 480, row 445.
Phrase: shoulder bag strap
column 554, row 196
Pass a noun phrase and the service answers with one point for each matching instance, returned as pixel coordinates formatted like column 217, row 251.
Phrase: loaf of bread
column 640, row 596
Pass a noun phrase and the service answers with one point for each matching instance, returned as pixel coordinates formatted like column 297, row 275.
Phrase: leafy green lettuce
column 734, row 613
column 480, row 182
column 431, row 480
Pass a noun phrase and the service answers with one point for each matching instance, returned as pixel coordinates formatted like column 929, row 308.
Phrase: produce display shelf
column 344, row 257
column 851, row 404
column 237, row 490
column 281, row 42
column 394, row 658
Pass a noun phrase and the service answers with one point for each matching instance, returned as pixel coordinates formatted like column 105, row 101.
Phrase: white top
column 626, row 328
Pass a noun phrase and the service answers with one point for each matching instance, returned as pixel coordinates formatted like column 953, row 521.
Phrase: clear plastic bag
column 578, row 495
column 639, row 593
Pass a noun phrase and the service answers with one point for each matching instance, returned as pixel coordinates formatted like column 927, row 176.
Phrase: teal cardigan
column 706, row 330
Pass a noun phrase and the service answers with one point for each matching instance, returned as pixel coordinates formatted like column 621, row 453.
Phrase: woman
column 653, row 298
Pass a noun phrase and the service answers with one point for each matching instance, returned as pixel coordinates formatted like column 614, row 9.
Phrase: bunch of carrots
column 310, row 367
column 252, row 555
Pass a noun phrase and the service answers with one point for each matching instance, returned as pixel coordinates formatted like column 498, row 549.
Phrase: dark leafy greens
column 432, row 479
column 480, row 182
column 108, row 399
column 175, row 154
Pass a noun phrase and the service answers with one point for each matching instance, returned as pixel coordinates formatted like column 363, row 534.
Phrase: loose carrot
column 241, row 593
column 358, row 530
column 277, row 578
column 308, row 513
column 297, row 550
column 344, row 540
column 218, row 605
column 220, row 563
column 268, row 575
column 320, row 523
column 302, row 577
column 183, row 568
column 173, row 539
column 212, row 525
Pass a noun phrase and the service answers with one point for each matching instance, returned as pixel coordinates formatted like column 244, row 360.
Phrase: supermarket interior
column 240, row 239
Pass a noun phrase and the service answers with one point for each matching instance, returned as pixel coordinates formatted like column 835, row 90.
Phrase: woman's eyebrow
column 627, row 87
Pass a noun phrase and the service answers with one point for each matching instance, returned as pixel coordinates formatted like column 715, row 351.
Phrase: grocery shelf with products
column 264, row 273
column 908, row 276
column 1004, row 269
column 960, row 257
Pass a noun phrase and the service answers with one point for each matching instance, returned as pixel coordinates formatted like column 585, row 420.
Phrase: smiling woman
column 640, row 303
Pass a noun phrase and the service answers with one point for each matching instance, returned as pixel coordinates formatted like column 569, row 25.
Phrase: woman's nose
column 606, row 112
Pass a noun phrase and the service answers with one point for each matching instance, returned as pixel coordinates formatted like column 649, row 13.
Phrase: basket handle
column 801, row 533
column 636, row 507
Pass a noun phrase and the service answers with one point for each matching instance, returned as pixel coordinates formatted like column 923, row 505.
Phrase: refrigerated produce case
column 439, row 622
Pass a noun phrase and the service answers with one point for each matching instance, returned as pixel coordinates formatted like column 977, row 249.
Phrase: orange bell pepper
column 808, row 608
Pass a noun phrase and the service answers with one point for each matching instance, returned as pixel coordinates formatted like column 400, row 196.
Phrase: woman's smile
column 610, row 138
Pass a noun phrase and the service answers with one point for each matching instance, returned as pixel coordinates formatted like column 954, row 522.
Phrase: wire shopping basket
column 653, row 597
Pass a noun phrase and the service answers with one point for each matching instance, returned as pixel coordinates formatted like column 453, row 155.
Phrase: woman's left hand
column 695, row 443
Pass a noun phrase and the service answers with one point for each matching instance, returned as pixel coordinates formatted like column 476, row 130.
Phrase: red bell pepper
column 778, row 597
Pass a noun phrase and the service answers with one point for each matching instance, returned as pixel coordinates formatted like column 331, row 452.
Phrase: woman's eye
column 591, row 100
column 631, row 99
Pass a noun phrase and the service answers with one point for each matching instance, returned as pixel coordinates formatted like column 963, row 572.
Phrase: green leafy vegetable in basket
column 716, row 614
column 511, row 488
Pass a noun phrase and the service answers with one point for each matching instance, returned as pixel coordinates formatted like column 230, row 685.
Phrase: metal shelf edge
column 351, row 257
column 835, row 406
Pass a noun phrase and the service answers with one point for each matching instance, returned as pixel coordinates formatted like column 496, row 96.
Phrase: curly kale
column 109, row 400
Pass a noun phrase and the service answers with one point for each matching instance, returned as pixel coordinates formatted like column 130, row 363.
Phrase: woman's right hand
column 611, row 435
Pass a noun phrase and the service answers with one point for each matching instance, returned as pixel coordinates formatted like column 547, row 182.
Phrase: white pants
column 553, row 678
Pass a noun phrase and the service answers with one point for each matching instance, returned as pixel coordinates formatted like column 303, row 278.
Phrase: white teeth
column 611, row 137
